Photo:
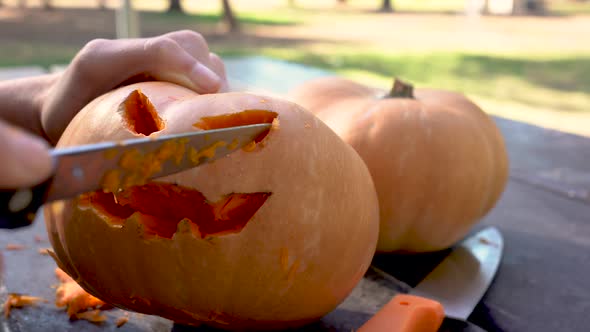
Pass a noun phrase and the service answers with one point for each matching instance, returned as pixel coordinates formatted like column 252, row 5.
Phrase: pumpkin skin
column 438, row 161
column 298, row 256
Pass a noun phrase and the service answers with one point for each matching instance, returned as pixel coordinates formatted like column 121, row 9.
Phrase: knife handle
column 406, row 313
column 18, row 207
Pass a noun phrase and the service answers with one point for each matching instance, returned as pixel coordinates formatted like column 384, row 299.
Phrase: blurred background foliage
column 524, row 59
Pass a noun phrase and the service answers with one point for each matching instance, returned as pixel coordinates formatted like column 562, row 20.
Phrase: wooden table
column 544, row 215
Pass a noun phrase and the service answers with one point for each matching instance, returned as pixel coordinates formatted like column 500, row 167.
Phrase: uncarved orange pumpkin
column 271, row 236
column 438, row 161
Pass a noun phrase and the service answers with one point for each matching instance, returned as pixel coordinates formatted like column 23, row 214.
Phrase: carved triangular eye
column 140, row 114
column 243, row 118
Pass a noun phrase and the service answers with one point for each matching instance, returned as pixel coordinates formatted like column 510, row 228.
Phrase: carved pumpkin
column 438, row 161
column 271, row 236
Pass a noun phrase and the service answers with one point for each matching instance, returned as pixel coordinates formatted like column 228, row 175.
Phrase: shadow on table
column 337, row 320
column 410, row 269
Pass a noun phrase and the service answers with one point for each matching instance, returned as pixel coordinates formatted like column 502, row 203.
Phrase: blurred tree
column 175, row 6
column 508, row 7
column 536, row 7
column 228, row 14
column 292, row 2
column 102, row 4
column 47, row 4
column 386, row 6
column 229, row 17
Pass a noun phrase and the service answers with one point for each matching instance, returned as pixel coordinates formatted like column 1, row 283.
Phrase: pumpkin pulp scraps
column 19, row 301
column 79, row 304
column 142, row 118
column 76, row 300
column 136, row 168
column 14, row 246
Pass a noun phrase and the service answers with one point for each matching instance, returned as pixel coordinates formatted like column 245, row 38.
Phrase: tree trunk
column 229, row 17
column 175, row 6
column 102, row 4
column 47, row 5
column 386, row 6
column 529, row 7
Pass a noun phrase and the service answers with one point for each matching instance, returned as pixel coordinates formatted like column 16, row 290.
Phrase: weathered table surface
column 542, row 283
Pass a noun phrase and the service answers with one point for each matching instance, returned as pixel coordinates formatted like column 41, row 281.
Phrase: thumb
column 25, row 158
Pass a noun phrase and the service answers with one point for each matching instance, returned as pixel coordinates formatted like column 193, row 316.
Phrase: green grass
column 245, row 18
column 429, row 5
column 570, row 7
column 296, row 15
column 557, row 82
column 398, row 5
column 559, row 7
column 22, row 53
column 560, row 83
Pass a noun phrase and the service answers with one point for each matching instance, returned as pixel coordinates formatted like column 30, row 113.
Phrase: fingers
column 171, row 62
column 26, row 160
column 219, row 68
column 193, row 43
column 180, row 57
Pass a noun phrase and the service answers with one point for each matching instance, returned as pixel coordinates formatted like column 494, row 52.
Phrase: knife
column 113, row 165
column 444, row 299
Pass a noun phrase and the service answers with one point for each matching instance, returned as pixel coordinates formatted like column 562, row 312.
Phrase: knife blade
column 113, row 165
column 446, row 297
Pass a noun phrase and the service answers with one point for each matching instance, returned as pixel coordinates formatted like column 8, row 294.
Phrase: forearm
column 22, row 101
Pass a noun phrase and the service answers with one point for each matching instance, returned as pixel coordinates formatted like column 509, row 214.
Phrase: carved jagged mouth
column 161, row 206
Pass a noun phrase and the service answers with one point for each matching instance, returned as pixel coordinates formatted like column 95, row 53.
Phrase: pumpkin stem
column 401, row 89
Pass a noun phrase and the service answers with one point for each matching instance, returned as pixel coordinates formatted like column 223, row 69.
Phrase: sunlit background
column 527, row 60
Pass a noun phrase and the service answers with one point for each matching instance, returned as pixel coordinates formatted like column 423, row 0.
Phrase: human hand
column 26, row 160
column 45, row 105
column 180, row 57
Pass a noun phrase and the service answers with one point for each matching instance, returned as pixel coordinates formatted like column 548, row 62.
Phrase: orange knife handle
column 406, row 313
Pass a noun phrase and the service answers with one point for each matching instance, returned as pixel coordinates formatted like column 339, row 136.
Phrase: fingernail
column 205, row 78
